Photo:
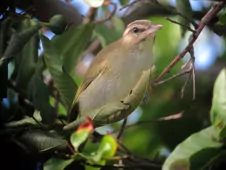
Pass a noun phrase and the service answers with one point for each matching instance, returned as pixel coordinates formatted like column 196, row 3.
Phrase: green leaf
column 107, row 149
column 222, row 17
column 28, row 58
column 41, row 141
column 218, row 110
column 26, row 121
column 62, row 80
column 82, row 133
column 57, row 164
column 123, row 2
column 102, row 32
column 78, row 138
column 195, row 151
column 57, row 24
column 3, row 69
column 38, row 93
column 72, row 43
column 17, row 43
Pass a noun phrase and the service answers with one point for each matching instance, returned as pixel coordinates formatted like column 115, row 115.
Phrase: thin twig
column 191, row 51
column 137, row 159
column 175, row 12
column 165, row 118
column 90, row 15
column 183, row 25
column 172, row 77
column 111, row 13
column 184, row 86
column 56, row 101
column 122, row 128
column 210, row 14
column 129, row 4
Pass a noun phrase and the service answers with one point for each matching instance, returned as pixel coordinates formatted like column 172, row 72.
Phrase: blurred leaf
column 72, row 43
column 38, row 93
column 102, row 32
column 118, row 25
column 184, row 7
column 218, row 110
column 107, row 149
column 82, row 133
column 195, row 151
column 57, row 24
column 62, row 80
column 40, row 141
column 3, row 69
column 94, row 3
column 57, row 164
column 28, row 58
column 123, row 2
column 222, row 17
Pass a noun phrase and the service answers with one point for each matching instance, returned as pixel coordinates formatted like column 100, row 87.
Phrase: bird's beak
column 154, row 28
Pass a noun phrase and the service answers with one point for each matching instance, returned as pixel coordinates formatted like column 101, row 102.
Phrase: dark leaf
column 38, row 93
column 39, row 141
column 72, row 43
column 62, row 80
column 4, row 68
column 17, row 43
column 28, row 58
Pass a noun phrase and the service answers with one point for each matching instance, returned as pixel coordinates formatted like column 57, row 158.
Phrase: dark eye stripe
column 137, row 30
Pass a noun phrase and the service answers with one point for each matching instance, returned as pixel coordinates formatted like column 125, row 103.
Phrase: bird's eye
column 136, row 30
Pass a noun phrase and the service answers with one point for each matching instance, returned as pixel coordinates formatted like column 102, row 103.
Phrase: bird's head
column 140, row 31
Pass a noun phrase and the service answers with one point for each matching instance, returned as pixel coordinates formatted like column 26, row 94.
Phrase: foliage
column 37, row 90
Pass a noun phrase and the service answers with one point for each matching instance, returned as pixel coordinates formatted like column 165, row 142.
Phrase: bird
column 110, row 90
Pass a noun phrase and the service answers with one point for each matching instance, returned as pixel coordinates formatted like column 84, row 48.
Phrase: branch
column 161, row 119
column 111, row 13
column 204, row 21
column 122, row 128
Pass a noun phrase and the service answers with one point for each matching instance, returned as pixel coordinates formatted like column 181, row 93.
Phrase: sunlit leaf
column 108, row 147
column 195, row 151
column 72, row 43
column 57, row 164
column 81, row 134
column 218, row 110
column 62, row 80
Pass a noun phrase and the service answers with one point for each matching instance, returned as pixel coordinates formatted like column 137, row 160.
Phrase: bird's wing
column 92, row 74
column 97, row 68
